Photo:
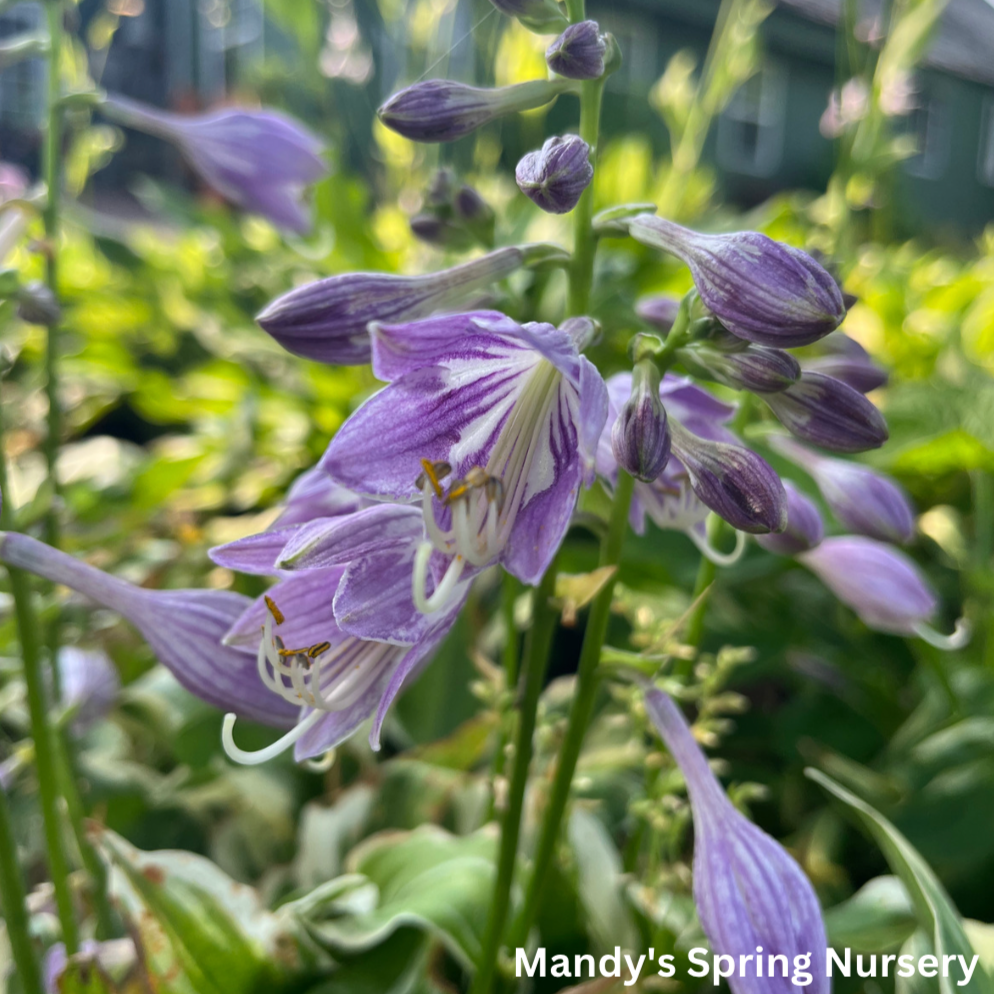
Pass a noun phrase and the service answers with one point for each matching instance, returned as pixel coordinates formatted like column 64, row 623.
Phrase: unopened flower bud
column 847, row 360
column 556, row 176
column 827, row 412
column 640, row 437
column 89, row 684
column 542, row 16
column 761, row 290
column 440, row 110
column 659, row 311
column 750, row 893
column 758, row 368
column 881, row 584
column 864, row 501
column 36, row 304
column 578, row 53
column 455, row 217
column 328, row 320
column 733, row 481
column 805, row 529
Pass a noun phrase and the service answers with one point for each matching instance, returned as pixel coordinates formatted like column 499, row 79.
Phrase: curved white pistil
column 948, row 643
column 716, row 556
column 482, row 514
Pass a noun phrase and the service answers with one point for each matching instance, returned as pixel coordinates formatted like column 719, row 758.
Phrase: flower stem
column 580, row 713
column 534, row 665
column 706, row 572
column 41, row 729
column 14, row 906
column 509, row 594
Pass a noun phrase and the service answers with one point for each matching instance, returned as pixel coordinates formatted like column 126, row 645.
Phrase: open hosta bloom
column 492, row 424
column 751, row 895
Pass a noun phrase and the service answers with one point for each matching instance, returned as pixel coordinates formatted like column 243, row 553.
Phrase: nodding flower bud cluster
column 441, row 110
column 541, row 16
column 640, row 437
column 455, row 216
column 741, row 365
column 555, row 176
column 761, row 290
column 578, row 53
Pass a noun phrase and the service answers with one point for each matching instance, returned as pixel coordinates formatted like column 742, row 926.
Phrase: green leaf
column 200, row 931
column 876, row 919
column 935, row 912
column 426, row 879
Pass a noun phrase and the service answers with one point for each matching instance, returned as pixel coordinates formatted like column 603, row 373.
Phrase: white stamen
column 269, row 752
column 715, row 555
column 948, row 643
column 441, row 594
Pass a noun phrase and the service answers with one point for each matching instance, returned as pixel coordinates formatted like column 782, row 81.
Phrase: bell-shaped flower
column 339, row 635
column 542, row 16
column 578, row 53
column 258, row 159
column 753, row 900
column 658, row 311
column 805, row 528
column 741, row 365
column 843, row 358
column 830, row 414
column 864, row 501
column 184, row 628
column 640, row 436
column 761, row 290
column 882, row 585
column 491, row 423
column 441, row 110
column 555, row 176
column 328, row 320
column 736, row 483
column 89, row 684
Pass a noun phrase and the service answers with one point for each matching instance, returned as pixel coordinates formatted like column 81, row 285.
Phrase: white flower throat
column 484, row 504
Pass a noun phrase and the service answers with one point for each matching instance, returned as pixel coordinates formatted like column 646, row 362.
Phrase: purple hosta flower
column 89, row 685
column 828, row 413
column 659, row 311
column 733, row 481
column 257, row 159
column 555, row 177
column 804, row 530
column 543, row 16
column 761, row 290
column 578, row 53
column 741, row 365
column 441, row 110
column 183, row 627
column 751, row 895
column 339, row 635
column 315, row 495
column 640, row 436
column 493, row 424
column 328, row 320
column 845, row 359
column 863, row 500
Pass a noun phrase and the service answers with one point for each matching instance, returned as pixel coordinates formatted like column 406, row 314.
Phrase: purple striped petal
column 254, row 554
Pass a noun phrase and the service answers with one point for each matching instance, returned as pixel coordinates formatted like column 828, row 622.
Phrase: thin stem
column 509, row 594
column 534, row 665
column 580, row 713
column 706, row 573
column 41, row 730
column 14, row 906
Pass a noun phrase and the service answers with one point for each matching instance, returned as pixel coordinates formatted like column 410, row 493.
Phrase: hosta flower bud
column 881, row 584
column 761, row 290
column 542, row 16
column 659, row 311
column 454, row 217
column 827, row 412
column 758, row 368
column 578, row 53
column 258, row 159
column 640, row 437
column 89, row 685
column 805, row 529
column 845, row 359
column 733, row 481
column 752, row 898
column 440, row 110
column 556, row 176
column 328, row 320
column 863, row 500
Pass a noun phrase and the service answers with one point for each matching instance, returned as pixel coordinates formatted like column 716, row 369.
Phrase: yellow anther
column 434, row 473
column 274, row 610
